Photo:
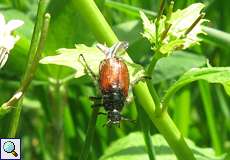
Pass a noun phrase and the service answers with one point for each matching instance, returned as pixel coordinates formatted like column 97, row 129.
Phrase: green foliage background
column 52, row 122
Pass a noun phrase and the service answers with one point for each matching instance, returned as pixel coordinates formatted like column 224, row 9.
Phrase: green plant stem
column 194, row 24
column 104, row 34
column 209, row 111
column 151, row 88
column 160, row 12
column 163, row 123
column 31, row 68
column 88, row 8
column 215, row 36
column 153, row 63
column 145, row 126
column 182, row 111
column 90, row 134
column 32, row 54
column 224, row 106
column 127, row 8
column 57, row 93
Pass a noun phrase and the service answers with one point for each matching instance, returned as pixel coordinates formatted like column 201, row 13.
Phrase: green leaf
column 227, row 88
column 176, row 28
column 150, row 27
column 213, row 36
column 171, row 46
column 64, row 31
column 211, row 74
column 132, row 147
column 176, row 64
column 181, row 20
column 93, row 56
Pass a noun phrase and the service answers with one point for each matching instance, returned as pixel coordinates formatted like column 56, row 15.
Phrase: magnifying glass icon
column 9, row 147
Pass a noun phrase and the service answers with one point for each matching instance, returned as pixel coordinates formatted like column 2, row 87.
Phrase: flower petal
column 9, row 42
column 13, row 24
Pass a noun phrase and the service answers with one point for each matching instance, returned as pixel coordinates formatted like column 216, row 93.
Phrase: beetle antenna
column 118, row 47
column 103, row 48
column 88, row 69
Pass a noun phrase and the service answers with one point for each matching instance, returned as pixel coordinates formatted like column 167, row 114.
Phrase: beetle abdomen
column 113, row 74
column 113, row 99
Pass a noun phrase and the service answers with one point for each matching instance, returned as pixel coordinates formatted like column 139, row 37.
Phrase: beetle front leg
column 141, row 78
column 88, row 69
column 127, row 119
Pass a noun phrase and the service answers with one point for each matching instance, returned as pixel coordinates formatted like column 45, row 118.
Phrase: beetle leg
column 127, row 119
column 88, row 69
column 92, row 98
column 101, row 113
column 97, row 105
column 142, row 78
column 108, row 123
column 97, row 101
column 128, row 99
column 119, row 125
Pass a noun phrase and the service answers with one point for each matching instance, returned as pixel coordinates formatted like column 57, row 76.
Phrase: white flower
column 7, row 40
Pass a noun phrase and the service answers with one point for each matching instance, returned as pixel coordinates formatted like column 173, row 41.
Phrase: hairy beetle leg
column 102, row 113
column 142, row 78
column 92, row 98
column 127, row 119
column 97, row 105
column 88, row 69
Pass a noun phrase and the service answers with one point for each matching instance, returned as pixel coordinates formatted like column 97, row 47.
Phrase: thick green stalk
column 182, row 111
column 31, row 68
column 209, row 111
column 57, row 92
column 145, row 127
column 94, row 19
column 104, row 34
column 164, row 123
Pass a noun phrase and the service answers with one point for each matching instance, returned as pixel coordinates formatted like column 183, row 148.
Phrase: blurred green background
column 57, row 121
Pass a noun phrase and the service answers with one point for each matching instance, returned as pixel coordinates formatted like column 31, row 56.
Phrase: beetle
column 113, row 82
